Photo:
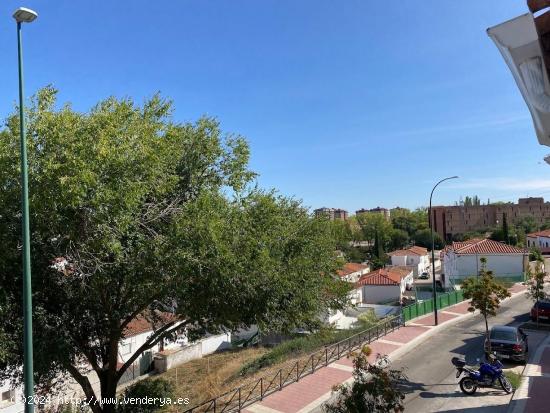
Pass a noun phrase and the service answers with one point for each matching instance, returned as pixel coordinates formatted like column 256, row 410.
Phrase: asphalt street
column 432, row 385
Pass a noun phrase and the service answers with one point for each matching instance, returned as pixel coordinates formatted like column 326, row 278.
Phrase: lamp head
column 24, row 15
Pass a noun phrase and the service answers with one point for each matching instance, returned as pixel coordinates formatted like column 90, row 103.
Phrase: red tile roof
column 545, row 233
column 142, row 324
column 484, row 246
column 415, row 250
column 350, row 268
column 384, row 276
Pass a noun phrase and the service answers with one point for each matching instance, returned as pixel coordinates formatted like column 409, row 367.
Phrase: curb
column 521, row 394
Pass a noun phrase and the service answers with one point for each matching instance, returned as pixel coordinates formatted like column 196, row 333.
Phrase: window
column 125, row 349
column 8, row 397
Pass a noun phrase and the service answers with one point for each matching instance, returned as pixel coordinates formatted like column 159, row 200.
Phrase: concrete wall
column 375, row 294
column 503, row 265
column 173, row 357
column 17, row 406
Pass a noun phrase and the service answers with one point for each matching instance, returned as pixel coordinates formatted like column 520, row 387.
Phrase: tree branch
column 150, row 342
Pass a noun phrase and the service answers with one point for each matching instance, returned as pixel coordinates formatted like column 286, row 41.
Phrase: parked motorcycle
column 486, row 376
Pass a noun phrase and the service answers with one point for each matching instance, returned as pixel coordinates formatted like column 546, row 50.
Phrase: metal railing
column 237, row 399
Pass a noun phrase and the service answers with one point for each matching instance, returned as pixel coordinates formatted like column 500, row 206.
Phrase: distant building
column 382, row 211
column 351, row 271
column 416, row 257
column 332, row 213
column 540, row 240
column 452, row 220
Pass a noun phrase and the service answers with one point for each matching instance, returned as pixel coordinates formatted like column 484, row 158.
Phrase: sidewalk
column 532, row 395
column 312, row 391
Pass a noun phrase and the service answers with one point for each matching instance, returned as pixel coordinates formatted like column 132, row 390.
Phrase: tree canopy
column 134, row 214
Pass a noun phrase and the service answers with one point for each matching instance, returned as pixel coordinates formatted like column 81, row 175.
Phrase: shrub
column 307, row 344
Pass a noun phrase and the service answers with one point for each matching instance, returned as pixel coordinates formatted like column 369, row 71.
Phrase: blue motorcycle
column 486, row 376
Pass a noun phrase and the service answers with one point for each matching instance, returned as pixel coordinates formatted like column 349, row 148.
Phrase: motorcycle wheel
column 468, row 385
column 505, row 384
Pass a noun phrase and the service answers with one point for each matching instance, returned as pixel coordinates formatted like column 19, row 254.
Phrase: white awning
column 518, row 42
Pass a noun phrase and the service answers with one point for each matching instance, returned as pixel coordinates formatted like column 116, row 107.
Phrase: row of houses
column 386, row 285
column 459, row 260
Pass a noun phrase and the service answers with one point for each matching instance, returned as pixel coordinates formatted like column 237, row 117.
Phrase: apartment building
column 451, row 220
column 382, row 211
column 332, row 213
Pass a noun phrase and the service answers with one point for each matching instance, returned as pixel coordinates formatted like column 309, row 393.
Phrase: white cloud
column 503, row 184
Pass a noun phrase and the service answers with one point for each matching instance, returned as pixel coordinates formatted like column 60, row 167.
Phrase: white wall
column 540, row 242
column 503, row 265
column 398, row 260
column 375, row 294
column 8, row 407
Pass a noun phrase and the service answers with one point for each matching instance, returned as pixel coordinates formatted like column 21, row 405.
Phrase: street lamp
column 24, row 15
column 434, row 295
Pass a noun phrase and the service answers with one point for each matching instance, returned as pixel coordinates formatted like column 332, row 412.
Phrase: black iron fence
column 247, row 394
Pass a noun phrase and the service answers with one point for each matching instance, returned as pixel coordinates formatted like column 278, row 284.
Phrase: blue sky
column 346, row 104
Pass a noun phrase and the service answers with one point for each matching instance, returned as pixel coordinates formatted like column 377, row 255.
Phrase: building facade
column 382, row 211
column 332, row 213
column 415, row 257
column 463, row 259
column 451, row 220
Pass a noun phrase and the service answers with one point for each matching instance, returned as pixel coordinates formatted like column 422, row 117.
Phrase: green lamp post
column 24, row 15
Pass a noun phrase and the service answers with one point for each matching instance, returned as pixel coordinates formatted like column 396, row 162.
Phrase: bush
column 306, row 344
column 158, row 388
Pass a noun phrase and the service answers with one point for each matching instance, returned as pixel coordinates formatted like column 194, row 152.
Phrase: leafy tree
column 423, row 238
column 545, row 225
column 535, row 284
column 527, row 224
column 399, row 239
column 535, row 255
column 147, row 217
column 485, row 294
column 375, row 388
column 410, row 221
column 373, row 225
column 156, row 390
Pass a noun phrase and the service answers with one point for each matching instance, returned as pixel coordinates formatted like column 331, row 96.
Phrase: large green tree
column 144, row 216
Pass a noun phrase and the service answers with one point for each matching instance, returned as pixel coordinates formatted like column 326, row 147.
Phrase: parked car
column 424, row 276
column 542, row 309
column 508, row 343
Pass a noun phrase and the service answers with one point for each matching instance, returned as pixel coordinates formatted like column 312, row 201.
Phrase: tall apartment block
column 332, row 213
column 382, row 211
column 451, row 220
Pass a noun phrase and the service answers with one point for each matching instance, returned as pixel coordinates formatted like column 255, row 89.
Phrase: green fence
column 427, row 306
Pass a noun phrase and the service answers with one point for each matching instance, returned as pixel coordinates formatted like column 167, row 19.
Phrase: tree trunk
column 108, row 392
column 487, row 334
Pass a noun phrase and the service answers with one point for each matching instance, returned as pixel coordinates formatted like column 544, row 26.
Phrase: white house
column 384, row 285
column 416, row 257
column 462, row 259
column 351, row 271
column 540, row 240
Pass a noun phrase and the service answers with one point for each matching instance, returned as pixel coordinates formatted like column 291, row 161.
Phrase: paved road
column 432, row 383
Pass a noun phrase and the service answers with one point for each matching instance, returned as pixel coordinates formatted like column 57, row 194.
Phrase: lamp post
column 24, row 15
column 434, row 295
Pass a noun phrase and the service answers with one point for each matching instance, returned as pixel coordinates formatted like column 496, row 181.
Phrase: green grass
column 304, row 345
column 515, row 378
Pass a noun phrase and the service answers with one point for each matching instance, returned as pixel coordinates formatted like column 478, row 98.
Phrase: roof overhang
column 519, row 44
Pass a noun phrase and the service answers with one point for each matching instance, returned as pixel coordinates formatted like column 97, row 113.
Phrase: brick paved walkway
column 311, row 391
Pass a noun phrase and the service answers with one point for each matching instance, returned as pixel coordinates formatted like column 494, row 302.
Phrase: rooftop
column 484, row 246
column 384, row 276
